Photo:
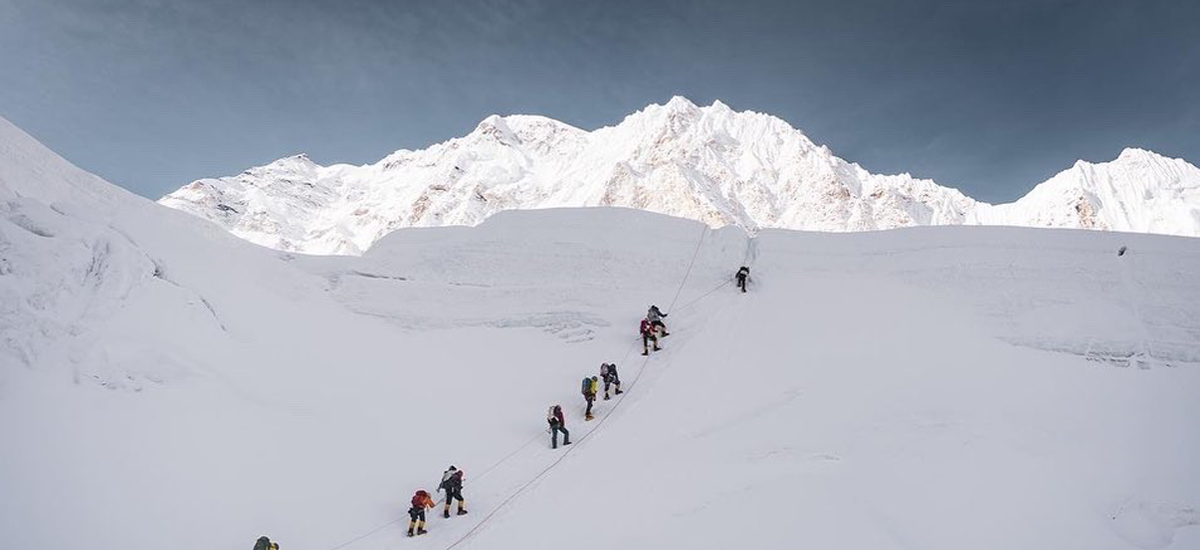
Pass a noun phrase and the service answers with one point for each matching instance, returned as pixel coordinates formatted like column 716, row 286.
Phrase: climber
column 452, row 481
column 608, row 371
column 557, row 424
column 264, row 543
column 420, row 501
column 742, row 275
column 589, row 395
column 648, row 336
column 655, row 316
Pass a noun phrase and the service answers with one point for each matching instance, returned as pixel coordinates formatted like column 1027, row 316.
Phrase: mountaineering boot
column 645, row 352
column 421, row 528
column 446, row 511
column 411, row 525
column 606, row 397
column 656, row 348
column 618, row 392
column 588, row 417
column 462, row 512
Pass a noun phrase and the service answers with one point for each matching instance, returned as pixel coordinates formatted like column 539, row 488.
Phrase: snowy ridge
column 710, row 164
column 1140, row 192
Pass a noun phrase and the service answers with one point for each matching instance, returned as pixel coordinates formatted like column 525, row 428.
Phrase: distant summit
column 710, row 163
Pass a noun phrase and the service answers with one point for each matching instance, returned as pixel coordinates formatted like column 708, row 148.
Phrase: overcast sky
column 990, row 97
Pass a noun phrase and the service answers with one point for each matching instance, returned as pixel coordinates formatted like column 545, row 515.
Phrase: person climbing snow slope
column 452, row 481
column 416, row 515
column 264, row 543
column 589, row 394
column 655, row 316
column 608, row 372
column 648, row 335
column 742, row 275
column 557, row 424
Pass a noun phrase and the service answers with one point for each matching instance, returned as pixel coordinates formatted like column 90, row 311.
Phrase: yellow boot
column 421, row 527
column 462, row 507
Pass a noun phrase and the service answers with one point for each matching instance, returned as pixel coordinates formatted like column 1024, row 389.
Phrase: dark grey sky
column 987, row 96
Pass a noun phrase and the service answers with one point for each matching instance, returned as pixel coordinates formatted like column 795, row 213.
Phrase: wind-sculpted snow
column 704, row 163
column 165, row 383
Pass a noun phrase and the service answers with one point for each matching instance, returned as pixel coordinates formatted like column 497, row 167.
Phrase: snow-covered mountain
column 163, row 382
column 710, row 164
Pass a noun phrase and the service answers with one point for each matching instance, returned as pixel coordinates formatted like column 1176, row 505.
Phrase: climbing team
column 420, row 501
column 557, row 424
column 452, row 481
column 742, row 275
column 652, row 329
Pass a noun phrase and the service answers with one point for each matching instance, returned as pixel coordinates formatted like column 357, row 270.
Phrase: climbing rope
column 567, row 451
column 703, row 232
column 441, row 499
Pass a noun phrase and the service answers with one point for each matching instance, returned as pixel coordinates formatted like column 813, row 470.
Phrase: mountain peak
column 680, row 103
column 709, row 163
column 1137, row 152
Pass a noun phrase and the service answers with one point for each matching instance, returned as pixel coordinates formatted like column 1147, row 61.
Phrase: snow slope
column 927, row 387
column 710, row 164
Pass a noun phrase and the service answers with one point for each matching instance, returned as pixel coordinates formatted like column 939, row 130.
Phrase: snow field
column 164, row 382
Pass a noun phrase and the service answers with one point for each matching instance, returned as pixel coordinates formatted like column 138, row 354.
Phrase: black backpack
column 263, row 543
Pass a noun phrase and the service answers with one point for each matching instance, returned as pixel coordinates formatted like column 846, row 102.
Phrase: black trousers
column 417, row 514
column 611, row 380
column 453, row 493
column 647, row 338
column 590, row 399
column 554, row 429
column 742, row 283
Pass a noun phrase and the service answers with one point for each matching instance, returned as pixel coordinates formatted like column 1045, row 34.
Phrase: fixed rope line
column 703, row 232
column 703, row 296
column 556, row 462
column 441, row 499
column 642, row 369
column 365, row 535
column 599, row 423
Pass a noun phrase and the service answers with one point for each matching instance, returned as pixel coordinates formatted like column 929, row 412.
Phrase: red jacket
column 646, row 327
column 422, row 500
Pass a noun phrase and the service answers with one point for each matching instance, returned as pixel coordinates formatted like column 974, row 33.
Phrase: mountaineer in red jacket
column 648, row 335
column 420, row 501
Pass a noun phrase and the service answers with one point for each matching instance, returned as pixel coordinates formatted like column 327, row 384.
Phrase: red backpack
column 419, row 499
column 644, row 327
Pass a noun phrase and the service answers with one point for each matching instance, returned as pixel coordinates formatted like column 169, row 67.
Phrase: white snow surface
column 710, row 164
column 164, row 383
